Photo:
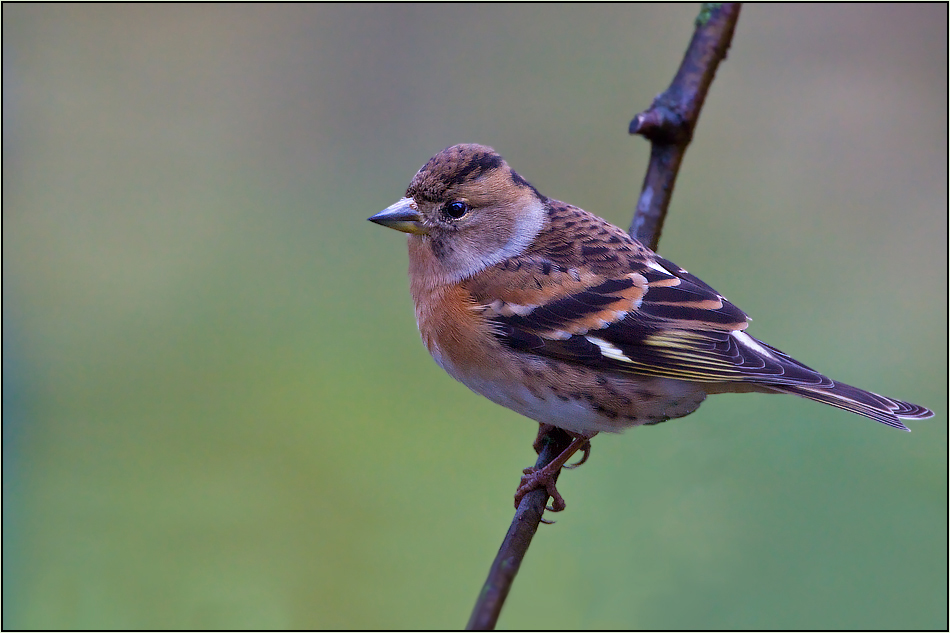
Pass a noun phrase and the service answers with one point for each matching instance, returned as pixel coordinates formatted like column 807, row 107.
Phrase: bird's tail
column 870, row 405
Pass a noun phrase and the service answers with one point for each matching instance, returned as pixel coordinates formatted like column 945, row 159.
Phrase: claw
column 586, row 450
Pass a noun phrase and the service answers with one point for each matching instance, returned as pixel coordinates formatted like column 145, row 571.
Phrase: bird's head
column 469, row 209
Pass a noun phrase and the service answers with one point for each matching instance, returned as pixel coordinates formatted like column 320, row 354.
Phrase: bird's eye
column 455, row 210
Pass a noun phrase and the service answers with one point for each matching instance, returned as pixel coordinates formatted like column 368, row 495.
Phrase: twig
column 669, row 125
column 510, row 554
column 671, row 119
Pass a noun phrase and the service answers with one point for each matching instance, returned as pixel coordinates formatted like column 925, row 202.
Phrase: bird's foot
column 535, row 478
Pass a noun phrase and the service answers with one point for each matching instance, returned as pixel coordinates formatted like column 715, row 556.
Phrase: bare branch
column 513, row 548
column 671, row 119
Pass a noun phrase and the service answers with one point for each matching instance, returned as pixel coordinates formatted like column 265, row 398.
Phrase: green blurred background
column 216, row 409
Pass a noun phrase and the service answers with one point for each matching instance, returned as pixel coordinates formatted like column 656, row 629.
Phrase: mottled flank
column 559, row 315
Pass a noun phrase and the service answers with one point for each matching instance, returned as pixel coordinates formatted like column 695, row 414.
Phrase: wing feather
column 656, row 320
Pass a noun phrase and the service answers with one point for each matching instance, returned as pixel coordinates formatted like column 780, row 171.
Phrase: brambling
column 557, row 314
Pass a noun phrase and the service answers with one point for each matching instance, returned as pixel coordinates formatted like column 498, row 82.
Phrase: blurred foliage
column 216, row 410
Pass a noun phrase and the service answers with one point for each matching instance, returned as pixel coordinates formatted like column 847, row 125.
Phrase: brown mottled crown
column 455, row 166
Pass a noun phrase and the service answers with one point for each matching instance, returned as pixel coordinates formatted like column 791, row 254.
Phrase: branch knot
column 662, row 124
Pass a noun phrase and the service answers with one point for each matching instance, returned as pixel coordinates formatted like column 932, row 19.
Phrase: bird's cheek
column 440, row 247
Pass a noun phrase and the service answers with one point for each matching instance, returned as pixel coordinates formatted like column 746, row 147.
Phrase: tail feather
column 871, row 405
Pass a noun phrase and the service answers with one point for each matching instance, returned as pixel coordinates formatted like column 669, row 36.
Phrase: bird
column 557, row 314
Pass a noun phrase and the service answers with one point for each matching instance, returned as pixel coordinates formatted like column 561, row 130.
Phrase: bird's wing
column 649, row 317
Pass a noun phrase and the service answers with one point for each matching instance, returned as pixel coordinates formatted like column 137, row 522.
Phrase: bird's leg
column 544, row 477
column 543, row 429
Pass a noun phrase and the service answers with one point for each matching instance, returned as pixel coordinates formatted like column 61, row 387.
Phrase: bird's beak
column 402, row 216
